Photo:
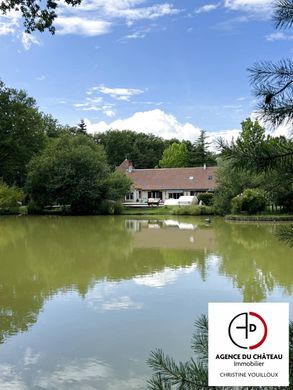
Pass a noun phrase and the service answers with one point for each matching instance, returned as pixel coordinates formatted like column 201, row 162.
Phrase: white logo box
column 248, row 344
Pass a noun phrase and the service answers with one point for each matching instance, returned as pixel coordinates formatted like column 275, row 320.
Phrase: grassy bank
column 260, row 217
column 169, row 210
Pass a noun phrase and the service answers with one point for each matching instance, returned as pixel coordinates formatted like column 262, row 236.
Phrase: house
column 167, row 183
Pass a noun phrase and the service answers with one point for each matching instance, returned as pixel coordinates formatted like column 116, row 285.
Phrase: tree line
column 45, row 163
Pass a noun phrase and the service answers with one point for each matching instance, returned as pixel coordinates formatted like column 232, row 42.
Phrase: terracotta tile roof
column 173, row 178
column 124, row 165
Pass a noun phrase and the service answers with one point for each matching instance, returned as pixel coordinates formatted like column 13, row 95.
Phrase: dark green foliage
column 255, row 160
column 283, row 15
column 193, row 374
column 108, row 207
column 231, row 182
column 22, row 134
column 37, row 15
column 10, row 196
column 206, row 197
column 273, row 82
column 118, row 185
column 251, row 201
column 81, row 128
column 143, row 150
column 52, row 127
column 199, row 153
column 71, row 171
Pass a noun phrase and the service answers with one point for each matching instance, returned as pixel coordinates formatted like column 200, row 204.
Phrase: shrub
column 192, row 210
column 10, row 196
column 108, row 207
column 206, row 197
column 250, row 201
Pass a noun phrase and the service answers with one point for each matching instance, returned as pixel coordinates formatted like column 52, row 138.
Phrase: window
column 210, row 177
column 129, row 196
column 155, row 194
column 175, row 195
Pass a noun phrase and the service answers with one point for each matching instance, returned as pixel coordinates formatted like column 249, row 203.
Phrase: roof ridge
column 162, row 169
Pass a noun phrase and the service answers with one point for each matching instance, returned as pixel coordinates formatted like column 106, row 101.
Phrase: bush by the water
column 73, row 171
column 192, row 210
column 206, row 197
column 109, row 207
column 10, row 198
column 250, row 201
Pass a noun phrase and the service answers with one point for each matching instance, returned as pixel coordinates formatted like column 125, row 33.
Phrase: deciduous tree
column 22, row 133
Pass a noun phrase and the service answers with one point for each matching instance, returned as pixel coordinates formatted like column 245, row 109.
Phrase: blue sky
column 168, row 67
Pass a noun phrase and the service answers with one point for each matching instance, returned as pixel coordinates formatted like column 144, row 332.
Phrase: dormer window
column 191, row 177
column 210, row 177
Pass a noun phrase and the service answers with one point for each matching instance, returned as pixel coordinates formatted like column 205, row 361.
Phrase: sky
column 168, row 67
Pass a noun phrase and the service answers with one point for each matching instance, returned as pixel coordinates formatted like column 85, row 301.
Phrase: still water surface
column 84, row 300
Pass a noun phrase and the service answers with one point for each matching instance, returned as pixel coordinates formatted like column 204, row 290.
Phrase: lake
column 83, row 300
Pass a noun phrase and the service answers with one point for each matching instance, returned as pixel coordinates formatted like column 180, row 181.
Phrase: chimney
column 204, row 166
column 130, row 167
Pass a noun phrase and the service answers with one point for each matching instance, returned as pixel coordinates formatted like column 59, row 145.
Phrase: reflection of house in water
column 170, row 234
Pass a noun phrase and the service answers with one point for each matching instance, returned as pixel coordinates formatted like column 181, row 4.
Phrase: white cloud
column 136, row 35
column 28, row 40
column 109, row 113
column 81, row 26
column 96, row 17
column 155, row 121
column 6, row 28
column 41, row 78
column 227, row 135
column 118, row 93
column 206, row 8
column 161, row 279
column 10, row 378
column 152, row 12
column 75, row 374
column 31, row 358
column 121, row 303
column 251, row 6
column 96, row 104
column 9, row 23
column 127, row 9
column 279, row 36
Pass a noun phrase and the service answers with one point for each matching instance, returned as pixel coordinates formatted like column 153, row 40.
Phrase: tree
column 273, row 82
column 37, row 16
column 22, row 133
column 250, row 201
column 193, row 374
column 232, row 181
column 81, row 127
column 144, row 150
column 118, row 185
column 175, row 156
column 199, row 153
column 72, row 170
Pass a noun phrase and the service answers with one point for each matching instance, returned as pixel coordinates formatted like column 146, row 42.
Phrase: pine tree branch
column 283, row 14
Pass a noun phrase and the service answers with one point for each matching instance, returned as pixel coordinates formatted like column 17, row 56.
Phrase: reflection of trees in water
column 40, row 256
column 254, row 259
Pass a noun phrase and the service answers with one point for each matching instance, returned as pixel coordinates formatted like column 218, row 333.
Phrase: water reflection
column 42, row 256
column 254, row 259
